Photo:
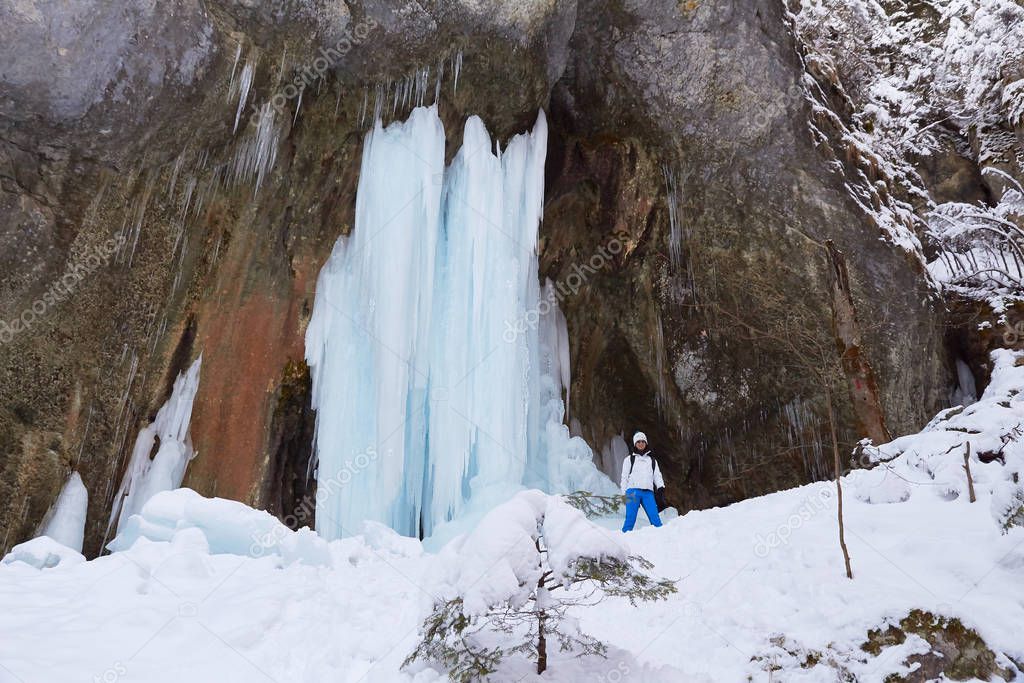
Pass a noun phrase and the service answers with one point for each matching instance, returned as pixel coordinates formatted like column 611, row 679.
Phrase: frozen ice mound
column 43, row 552
column 230, row 527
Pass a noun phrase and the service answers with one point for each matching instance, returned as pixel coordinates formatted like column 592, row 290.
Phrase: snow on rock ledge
column 932, row 460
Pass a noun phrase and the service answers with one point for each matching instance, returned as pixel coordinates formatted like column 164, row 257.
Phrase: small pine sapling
column 595, row 505
column 569, row 563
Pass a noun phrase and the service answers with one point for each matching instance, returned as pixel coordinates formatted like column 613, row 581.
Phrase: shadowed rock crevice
column 290, row 489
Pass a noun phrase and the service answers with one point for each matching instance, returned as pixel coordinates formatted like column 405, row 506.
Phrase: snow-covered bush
column 981, row 249
column 1008, row 505
column 505, row 588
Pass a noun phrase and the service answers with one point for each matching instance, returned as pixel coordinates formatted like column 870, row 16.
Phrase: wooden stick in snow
column 967, row 468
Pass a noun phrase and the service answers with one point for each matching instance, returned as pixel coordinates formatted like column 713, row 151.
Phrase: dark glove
column 659, row 498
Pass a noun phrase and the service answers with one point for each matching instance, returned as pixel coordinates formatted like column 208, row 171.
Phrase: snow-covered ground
column 230, row 595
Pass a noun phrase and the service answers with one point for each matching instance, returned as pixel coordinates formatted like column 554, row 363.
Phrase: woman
column 641, row 477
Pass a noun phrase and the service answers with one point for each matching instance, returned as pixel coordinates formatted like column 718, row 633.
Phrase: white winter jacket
column 642, row 476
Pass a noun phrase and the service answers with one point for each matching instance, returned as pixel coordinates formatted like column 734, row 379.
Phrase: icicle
column 216, row 249
column 186, row 199
column 146, row 477
column 174, row 174
column 440, row 78
column 85, row 436
column 234, row 66
column 140, row 213
column 457, row 70
column 378, row 102
column 370, row 315
column 362, row 109
column 243, row 93
column 298, row 106
column 257, row 154
column 422, row 77
column 65, row 520
column 178, row 236
column 280, row 69
column 675, row 241
column 659, row 362
column 966, row 391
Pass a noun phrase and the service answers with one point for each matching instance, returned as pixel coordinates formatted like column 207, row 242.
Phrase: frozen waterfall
column 438, row 360
column 149, row 473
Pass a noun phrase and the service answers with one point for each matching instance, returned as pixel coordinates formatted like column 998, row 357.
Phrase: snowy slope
column 762, row 592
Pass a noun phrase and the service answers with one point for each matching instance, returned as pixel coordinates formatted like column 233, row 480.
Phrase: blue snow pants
column 634, row 499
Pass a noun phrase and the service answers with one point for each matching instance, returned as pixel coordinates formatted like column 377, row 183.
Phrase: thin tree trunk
column 967, row 468
column 839, row 484
column 860, row 377
column 542, row 644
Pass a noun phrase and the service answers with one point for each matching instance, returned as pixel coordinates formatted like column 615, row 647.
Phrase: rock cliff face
column 173, row 175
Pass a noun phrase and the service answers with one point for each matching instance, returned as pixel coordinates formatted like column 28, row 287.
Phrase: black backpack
column 659, row 493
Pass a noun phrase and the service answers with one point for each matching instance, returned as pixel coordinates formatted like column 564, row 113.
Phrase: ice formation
column 65, row 520
column 219, row 526
column 42, row 552
column 438, row 366
column 148, row 476
column 966, row 391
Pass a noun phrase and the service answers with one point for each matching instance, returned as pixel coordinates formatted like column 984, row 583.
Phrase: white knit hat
column 639, row 436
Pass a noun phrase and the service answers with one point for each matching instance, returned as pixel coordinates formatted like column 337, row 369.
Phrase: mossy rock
column 878, row 639
column 957, row 652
